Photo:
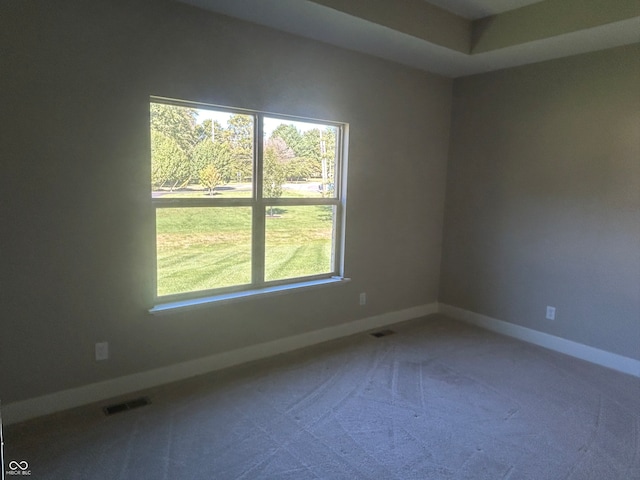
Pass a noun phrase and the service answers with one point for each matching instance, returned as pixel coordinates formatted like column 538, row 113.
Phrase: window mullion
column 258, row 230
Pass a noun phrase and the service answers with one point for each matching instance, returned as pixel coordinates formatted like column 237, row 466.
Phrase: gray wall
column 543, row 198
column 77, row 227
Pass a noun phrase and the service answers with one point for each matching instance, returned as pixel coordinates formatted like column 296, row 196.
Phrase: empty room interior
column 320, row 239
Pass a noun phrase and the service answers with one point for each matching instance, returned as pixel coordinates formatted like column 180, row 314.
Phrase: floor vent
column 130, row 405
column 382, row 333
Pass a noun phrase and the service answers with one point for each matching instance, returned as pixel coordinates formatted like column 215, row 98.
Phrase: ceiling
column 475, row 9
column 449, row 37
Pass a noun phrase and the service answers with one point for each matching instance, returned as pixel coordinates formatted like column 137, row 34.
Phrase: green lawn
column 205, row 248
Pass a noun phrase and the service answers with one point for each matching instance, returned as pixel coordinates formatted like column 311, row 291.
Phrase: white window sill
column 181, row 305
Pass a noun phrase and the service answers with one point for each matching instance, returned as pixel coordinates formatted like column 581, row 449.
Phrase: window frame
column 258, row 204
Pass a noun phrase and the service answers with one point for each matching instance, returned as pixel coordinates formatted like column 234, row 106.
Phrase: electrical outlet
column 551, row 313
column 363, row 298
column 102, row 351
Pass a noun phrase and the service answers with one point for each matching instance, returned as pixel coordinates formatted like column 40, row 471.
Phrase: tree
column 169, row 164
column 178, row 128
column 284, row 138
column 176, row 122
column 298, row 168
column 295, row 168
column 217, row 154
column 210, row 178
column 280, row 148
column 320, row 147
column 239, row 137
column 292, row 137
column 204, row 131
column 274, row 175
column 217, row 132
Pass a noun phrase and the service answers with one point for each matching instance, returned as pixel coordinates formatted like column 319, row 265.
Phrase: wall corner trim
column 96, row 392
column 568, row 347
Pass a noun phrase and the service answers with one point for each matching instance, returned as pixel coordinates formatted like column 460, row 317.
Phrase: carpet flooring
column 437, row 399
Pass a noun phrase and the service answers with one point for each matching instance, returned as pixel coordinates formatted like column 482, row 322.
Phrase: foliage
column 280, row 148
column 204, row 131
column 239, row 137
column 210, row 178
column 318, row 145
column 274, row 173
column 169, row 164
column 310, row 149
column 217, row 154
column 178, row 123
column 291, row 136
column 183, row 148
column 299, row 169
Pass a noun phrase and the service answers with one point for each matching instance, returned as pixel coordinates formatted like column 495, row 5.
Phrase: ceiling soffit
column 422, row 35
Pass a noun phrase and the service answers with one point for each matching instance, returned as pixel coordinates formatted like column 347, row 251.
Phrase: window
column 243, row 200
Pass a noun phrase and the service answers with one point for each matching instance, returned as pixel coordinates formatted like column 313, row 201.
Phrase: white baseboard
column 568, row 347
column 95, row 392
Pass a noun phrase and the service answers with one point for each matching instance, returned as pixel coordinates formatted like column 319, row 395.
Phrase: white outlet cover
column 102, row 351
column 551, row 313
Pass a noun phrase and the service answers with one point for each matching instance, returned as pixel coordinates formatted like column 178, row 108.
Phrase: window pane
column 202, row 248
column 299, row 159
column 198, row 152
column 299, row 241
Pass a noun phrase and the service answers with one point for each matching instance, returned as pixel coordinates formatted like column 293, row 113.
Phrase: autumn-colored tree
column 210, row 178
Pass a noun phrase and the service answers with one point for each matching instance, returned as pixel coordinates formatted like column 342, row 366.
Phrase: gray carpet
column 436, row 400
